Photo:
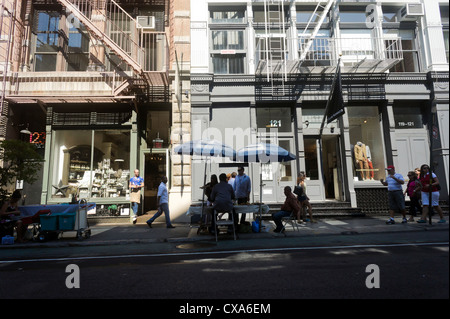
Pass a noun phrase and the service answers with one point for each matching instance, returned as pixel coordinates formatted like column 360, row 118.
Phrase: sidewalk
column 120, row 234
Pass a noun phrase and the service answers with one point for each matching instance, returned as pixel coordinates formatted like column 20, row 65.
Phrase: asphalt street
column 410, row 265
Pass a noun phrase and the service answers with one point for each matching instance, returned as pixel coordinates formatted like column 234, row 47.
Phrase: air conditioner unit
column 410, row 12
column 146, row 23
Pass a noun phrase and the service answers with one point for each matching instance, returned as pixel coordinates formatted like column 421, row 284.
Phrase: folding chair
column 223, row 222
column 292, row 220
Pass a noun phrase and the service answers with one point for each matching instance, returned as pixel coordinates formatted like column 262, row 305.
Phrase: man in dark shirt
column 222, row 196
column 290, row 206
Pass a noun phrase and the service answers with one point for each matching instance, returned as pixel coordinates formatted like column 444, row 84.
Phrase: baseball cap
column 390, row 167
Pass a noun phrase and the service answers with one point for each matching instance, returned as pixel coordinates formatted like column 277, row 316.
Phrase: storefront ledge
column 96, row 220
column 368, row 184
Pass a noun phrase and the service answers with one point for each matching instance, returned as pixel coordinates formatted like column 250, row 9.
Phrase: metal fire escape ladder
column 275, row 45
column 124, row 46
column 313, row 35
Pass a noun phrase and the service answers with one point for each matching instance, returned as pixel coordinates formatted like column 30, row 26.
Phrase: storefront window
column 275, row 119
column 311, row 165
column 91, row 170
column 366, row 143
column 408, row 117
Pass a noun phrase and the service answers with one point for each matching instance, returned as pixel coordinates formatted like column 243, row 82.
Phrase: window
column 305, row 13
column 228, row 64
column 367, row 143
column 446, row 45
column 410, row 61
column 274, row 119
column 100, row 170
column 228, row 16
column 228, row 40
column 228, row 55
column 390, row 13
column 355, row 14
column 311, row 164
column 47, row 40
column 408, row 115
column 78, row 48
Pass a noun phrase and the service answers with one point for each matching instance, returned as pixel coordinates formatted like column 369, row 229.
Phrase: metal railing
column 63, row 83
column 353, row 50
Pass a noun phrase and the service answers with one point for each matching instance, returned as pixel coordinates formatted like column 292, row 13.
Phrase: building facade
column 261, row 71
column 97, row 84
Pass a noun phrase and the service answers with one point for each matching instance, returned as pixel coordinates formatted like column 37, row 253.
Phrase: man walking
column 162, row 204
column 394, row 182
column 242, row 187
column 136, row 183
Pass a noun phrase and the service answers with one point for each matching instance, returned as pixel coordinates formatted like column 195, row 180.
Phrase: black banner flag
column 336, row 107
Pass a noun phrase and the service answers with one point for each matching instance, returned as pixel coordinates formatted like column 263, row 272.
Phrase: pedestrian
column 242, row 187
column 162, row 203
column 303, row 199
column 413, row 192
column 10, row 216
column 290, row 206
column 427, row 179
column 394, row 182
column 136, row 183
column 417, row 171
column 232, row 178
column 222, row 197
column 209, row 187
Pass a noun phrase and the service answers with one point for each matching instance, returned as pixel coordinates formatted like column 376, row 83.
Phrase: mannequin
column 361, row 160
column 369, row 163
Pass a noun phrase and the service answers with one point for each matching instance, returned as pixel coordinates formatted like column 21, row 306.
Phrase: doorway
column 156, row 164
column 276, row 176
column 323, row 171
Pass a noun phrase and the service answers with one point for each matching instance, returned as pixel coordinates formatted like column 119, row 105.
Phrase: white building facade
column 261, row 71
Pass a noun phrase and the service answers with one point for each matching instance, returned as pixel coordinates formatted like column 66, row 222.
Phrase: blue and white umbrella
column 205, row 148
column 263, row 153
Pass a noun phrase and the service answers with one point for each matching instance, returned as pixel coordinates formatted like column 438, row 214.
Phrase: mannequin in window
column 361, row 160
column 370, row 174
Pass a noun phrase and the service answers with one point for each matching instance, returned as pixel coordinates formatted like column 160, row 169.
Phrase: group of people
column 233, row 187
column 221, row 193
column 421, row 182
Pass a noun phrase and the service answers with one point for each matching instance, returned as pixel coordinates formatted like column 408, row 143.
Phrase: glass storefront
column 90, row 164
column 366, row 141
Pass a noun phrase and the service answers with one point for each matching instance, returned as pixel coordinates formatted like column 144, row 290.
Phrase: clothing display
column 361, row 161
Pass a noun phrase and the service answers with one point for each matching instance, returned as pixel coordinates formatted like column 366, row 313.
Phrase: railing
column 63, row 83
column 353, row 50
column 120, row 26
column 156, row 48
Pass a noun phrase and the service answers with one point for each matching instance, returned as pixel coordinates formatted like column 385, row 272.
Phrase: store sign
column 38, row 138
column 409, row 124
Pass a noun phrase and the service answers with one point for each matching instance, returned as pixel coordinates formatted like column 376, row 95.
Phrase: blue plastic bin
column 49, row 222
column 66, row 221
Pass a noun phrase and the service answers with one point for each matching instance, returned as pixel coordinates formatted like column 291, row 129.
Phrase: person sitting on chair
column 290, row 206
column 10, row 215
column 222, row 196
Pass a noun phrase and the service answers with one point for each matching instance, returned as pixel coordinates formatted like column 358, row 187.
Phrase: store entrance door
column 323, row 169
column 276, row 176
column 156, row 164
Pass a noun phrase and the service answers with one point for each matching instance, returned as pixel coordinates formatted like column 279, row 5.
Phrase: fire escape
column 107, row 22
column 283, row 51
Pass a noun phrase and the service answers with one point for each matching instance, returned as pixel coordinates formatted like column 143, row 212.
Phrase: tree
column 18, row 161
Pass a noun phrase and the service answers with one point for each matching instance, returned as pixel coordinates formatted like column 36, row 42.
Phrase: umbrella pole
column 260, row 196
column 203, row 196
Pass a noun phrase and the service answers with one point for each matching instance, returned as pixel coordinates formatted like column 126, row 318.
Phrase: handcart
column 74, row 218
